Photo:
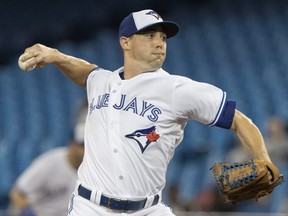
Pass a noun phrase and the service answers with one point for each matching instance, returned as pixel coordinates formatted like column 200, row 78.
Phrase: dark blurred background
column 25, row 22
column 239, row 46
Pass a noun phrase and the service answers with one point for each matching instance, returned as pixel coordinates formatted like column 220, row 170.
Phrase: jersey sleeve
column 97, row 76
column 226, row 116
column 91, row 77
column 202, row 102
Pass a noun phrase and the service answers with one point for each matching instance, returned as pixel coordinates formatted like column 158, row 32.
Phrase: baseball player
column 44, row 188
column 136, row 119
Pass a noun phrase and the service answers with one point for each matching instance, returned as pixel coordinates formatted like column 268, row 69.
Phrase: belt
column 117, row 204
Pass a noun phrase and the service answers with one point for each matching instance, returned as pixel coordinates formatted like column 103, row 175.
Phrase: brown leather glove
column 247, row 180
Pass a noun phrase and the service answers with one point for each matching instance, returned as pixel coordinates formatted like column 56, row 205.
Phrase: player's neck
column 132, row 70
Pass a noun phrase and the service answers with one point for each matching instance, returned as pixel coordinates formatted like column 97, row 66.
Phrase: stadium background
column 240, row 46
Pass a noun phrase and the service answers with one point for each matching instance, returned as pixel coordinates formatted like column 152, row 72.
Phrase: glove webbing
column 240, row 181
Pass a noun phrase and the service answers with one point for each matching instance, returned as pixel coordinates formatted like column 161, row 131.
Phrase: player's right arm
column 74, row 68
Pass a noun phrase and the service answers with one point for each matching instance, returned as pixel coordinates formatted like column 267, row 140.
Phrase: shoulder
column 100, row 74
column 99, row 71
column 174, row 77
column 164, row 75
column 185, row 84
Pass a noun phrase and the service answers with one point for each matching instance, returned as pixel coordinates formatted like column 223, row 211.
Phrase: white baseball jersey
column 133, row 127
column 48, row 183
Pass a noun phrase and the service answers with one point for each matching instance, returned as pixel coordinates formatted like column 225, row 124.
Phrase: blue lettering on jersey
column 126, row 105
column 121, row 104
column 102, row 101
column 154, row 114
column 92, row 107
column 132, row 105
column 145, row 108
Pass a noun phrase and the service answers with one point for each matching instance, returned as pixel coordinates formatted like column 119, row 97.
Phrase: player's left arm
column 250, row 136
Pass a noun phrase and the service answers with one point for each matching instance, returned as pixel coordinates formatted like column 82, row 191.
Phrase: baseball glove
column 247, row 180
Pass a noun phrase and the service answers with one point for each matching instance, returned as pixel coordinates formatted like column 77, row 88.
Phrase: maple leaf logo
column 152, row 137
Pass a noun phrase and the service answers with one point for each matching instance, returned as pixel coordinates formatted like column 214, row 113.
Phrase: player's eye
column 150, row 35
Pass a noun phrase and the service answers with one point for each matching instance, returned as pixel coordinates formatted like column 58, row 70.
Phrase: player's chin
column 157, row 64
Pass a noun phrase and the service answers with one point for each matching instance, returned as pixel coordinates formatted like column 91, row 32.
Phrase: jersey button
column 115, row 150
column 121, row 177
column 114, row 91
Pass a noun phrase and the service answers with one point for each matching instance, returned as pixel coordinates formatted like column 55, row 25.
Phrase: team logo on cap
column 144, row 137
column 153, row 13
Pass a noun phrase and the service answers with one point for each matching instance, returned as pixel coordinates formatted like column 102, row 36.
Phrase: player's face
column 149, row 48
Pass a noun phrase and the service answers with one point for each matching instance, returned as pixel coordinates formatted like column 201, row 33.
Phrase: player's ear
column 124, row 42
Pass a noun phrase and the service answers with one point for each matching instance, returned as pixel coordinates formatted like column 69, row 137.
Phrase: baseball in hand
column 26, row 65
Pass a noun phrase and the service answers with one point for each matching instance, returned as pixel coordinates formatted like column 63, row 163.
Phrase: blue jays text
column 137, row 106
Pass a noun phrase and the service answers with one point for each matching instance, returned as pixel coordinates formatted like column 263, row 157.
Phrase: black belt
column 117, row 204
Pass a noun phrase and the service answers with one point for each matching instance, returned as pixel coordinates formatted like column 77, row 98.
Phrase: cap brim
column 170, row 28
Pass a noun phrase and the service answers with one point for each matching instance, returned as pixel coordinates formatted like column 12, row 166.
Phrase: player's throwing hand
column 36, row 56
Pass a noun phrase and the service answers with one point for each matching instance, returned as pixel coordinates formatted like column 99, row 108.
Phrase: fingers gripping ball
column 247, row 180
column 26, row 64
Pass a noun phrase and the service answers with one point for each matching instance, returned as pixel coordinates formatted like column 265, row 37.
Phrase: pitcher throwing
column 136, row 118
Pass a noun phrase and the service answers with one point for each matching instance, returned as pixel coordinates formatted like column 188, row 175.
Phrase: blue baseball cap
column 144, row 19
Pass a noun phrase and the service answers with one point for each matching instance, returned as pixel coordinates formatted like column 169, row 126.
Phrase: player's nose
column 159, row 42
